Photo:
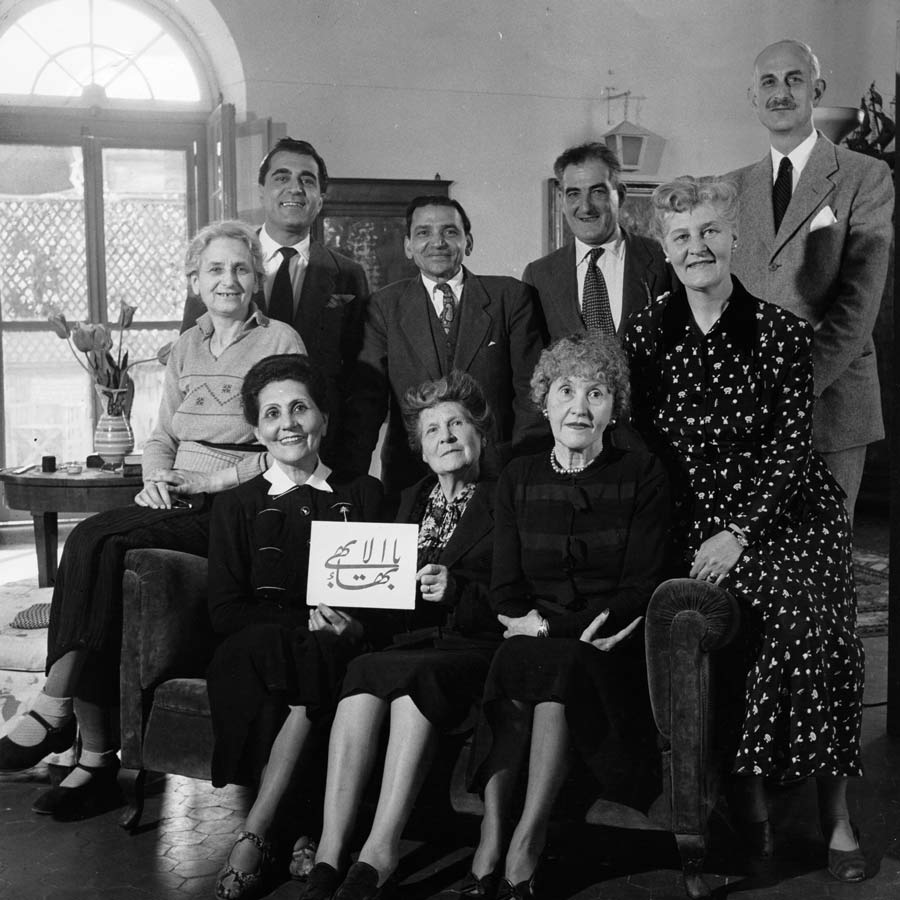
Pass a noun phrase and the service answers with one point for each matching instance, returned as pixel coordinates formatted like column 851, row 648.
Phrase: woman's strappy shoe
column 245, row 885
column 15, row 758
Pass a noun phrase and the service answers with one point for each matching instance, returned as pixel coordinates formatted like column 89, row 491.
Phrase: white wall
column 488, row 93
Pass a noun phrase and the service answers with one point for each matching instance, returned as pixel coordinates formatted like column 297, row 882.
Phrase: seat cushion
column 179, row 737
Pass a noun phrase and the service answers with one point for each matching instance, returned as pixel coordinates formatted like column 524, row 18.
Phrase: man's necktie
column 781, row 190
column 595, row 309
column 449, row 310
column 281, row 301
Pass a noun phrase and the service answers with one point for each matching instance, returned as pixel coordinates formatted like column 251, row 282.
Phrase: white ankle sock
column 55, row 711
column 93, row 760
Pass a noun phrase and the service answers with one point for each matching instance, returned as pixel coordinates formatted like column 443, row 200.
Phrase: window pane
column 145, row 212
column 42, row 252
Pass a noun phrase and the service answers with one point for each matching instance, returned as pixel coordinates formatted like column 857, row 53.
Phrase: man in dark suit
column 620, row 272
column 814, row 236
column 320, row 292
column 420, row 329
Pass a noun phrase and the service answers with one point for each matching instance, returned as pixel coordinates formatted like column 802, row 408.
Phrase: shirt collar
column 270, row 246
column 799, row 156
column 255, row 318
column 456, row 283
column 738, row 321
column 616, row 247
column 282, row 484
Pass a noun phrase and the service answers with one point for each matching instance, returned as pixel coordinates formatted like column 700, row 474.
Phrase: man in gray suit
column 814, row 237
column 604, row 273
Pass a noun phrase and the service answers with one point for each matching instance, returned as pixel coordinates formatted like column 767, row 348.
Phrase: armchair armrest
column 686, row 620
column 165, row 633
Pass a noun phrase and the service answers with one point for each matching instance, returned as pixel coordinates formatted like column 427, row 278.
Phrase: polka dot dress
column 730, row 412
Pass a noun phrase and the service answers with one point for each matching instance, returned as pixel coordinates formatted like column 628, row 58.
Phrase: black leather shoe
column 15, row 758
column 848, row 866
column 524, row 890
column 361, row 883
column 99, row 795
column 321, row 883
column 473, row 886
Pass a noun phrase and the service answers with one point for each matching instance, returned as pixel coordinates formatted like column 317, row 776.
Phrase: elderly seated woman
column 427, row 687
column 276, row 651
column 724, row 393
column 580, row 542
column 196, row 449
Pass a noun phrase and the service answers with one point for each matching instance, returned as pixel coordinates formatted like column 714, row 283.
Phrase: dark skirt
column 255, row 675
column 86, row 609
column 607, row 705
column 444, row 680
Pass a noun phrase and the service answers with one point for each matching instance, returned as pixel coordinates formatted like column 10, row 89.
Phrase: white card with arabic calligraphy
column 363, row 564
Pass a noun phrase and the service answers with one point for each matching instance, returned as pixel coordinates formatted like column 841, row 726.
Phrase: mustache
column 781, row 104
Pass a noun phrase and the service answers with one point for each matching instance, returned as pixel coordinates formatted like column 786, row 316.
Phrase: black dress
column 572, row 546
column 730, row 412
column 441, row 654
column 269, row 660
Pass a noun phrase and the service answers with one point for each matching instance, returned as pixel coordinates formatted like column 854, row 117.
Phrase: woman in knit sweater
column 201, row 445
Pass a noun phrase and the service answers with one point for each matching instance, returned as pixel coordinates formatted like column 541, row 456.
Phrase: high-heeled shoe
column 321, row 883
column 848, row 866
column 524, row 890
column 99, row 794
column 245, row 885
column 487, row 886
column 15, row 758
column 361, row 883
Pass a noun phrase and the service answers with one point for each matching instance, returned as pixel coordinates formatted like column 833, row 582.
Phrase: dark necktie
column 781, row 190
column 281, row 301
column 595, row 308
column 449, row 310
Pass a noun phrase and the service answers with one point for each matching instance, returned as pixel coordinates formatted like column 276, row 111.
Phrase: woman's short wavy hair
column 226, row 228
column 282, row 367
column 686, row 192
column 457, row 387
column 588, row 356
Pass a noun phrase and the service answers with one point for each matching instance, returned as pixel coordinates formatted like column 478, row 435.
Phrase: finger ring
column 711, row 577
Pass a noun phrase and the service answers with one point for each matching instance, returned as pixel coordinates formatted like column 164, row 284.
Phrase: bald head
column 786, row 86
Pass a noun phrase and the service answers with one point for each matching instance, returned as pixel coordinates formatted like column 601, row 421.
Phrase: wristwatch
column 738, row 534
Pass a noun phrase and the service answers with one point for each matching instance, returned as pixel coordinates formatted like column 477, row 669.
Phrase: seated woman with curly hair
column 579, row 548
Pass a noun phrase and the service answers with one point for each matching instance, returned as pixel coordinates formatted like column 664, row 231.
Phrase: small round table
column 45, row 494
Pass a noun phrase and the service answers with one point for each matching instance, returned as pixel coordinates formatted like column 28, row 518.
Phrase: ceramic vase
column 113, row 437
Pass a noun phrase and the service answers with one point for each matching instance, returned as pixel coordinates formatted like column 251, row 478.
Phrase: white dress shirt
column 611, row 265
column 437, row 297
column 799, row 157
column 272, row 261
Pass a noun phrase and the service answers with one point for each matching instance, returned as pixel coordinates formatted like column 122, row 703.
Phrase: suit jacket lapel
column 475, row 523
column 814, row 185
column 318, row 286
column 635, row 279
column 474, row 321
column 415, row 324
column 756, row 201
column 565, row 275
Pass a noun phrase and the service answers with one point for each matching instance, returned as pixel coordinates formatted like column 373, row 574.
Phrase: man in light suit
column 827, row 260
column 320, row 292
column 421, row 328
column 632, row 268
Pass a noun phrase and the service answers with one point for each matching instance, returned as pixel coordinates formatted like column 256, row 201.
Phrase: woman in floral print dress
column 722, row 386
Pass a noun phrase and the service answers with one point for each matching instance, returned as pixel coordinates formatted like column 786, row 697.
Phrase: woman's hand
column 716, row 557
column 161, row 488
column 607, row 643
column 435, row 583
column 324, row 618
column 527, row 625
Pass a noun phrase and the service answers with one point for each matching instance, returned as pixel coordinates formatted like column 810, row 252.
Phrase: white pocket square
column 491, row 343
column 823, row 218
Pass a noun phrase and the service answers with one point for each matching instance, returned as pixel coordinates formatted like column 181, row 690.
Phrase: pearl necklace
column 563, row 470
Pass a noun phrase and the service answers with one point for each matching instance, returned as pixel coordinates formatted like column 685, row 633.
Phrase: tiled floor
column 188, row 827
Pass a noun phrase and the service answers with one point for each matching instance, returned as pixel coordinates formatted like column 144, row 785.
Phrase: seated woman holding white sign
column 278, row 653
column 427, row 683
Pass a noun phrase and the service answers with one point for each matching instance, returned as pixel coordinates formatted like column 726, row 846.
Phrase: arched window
column 103, row 141
column 99, row 51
